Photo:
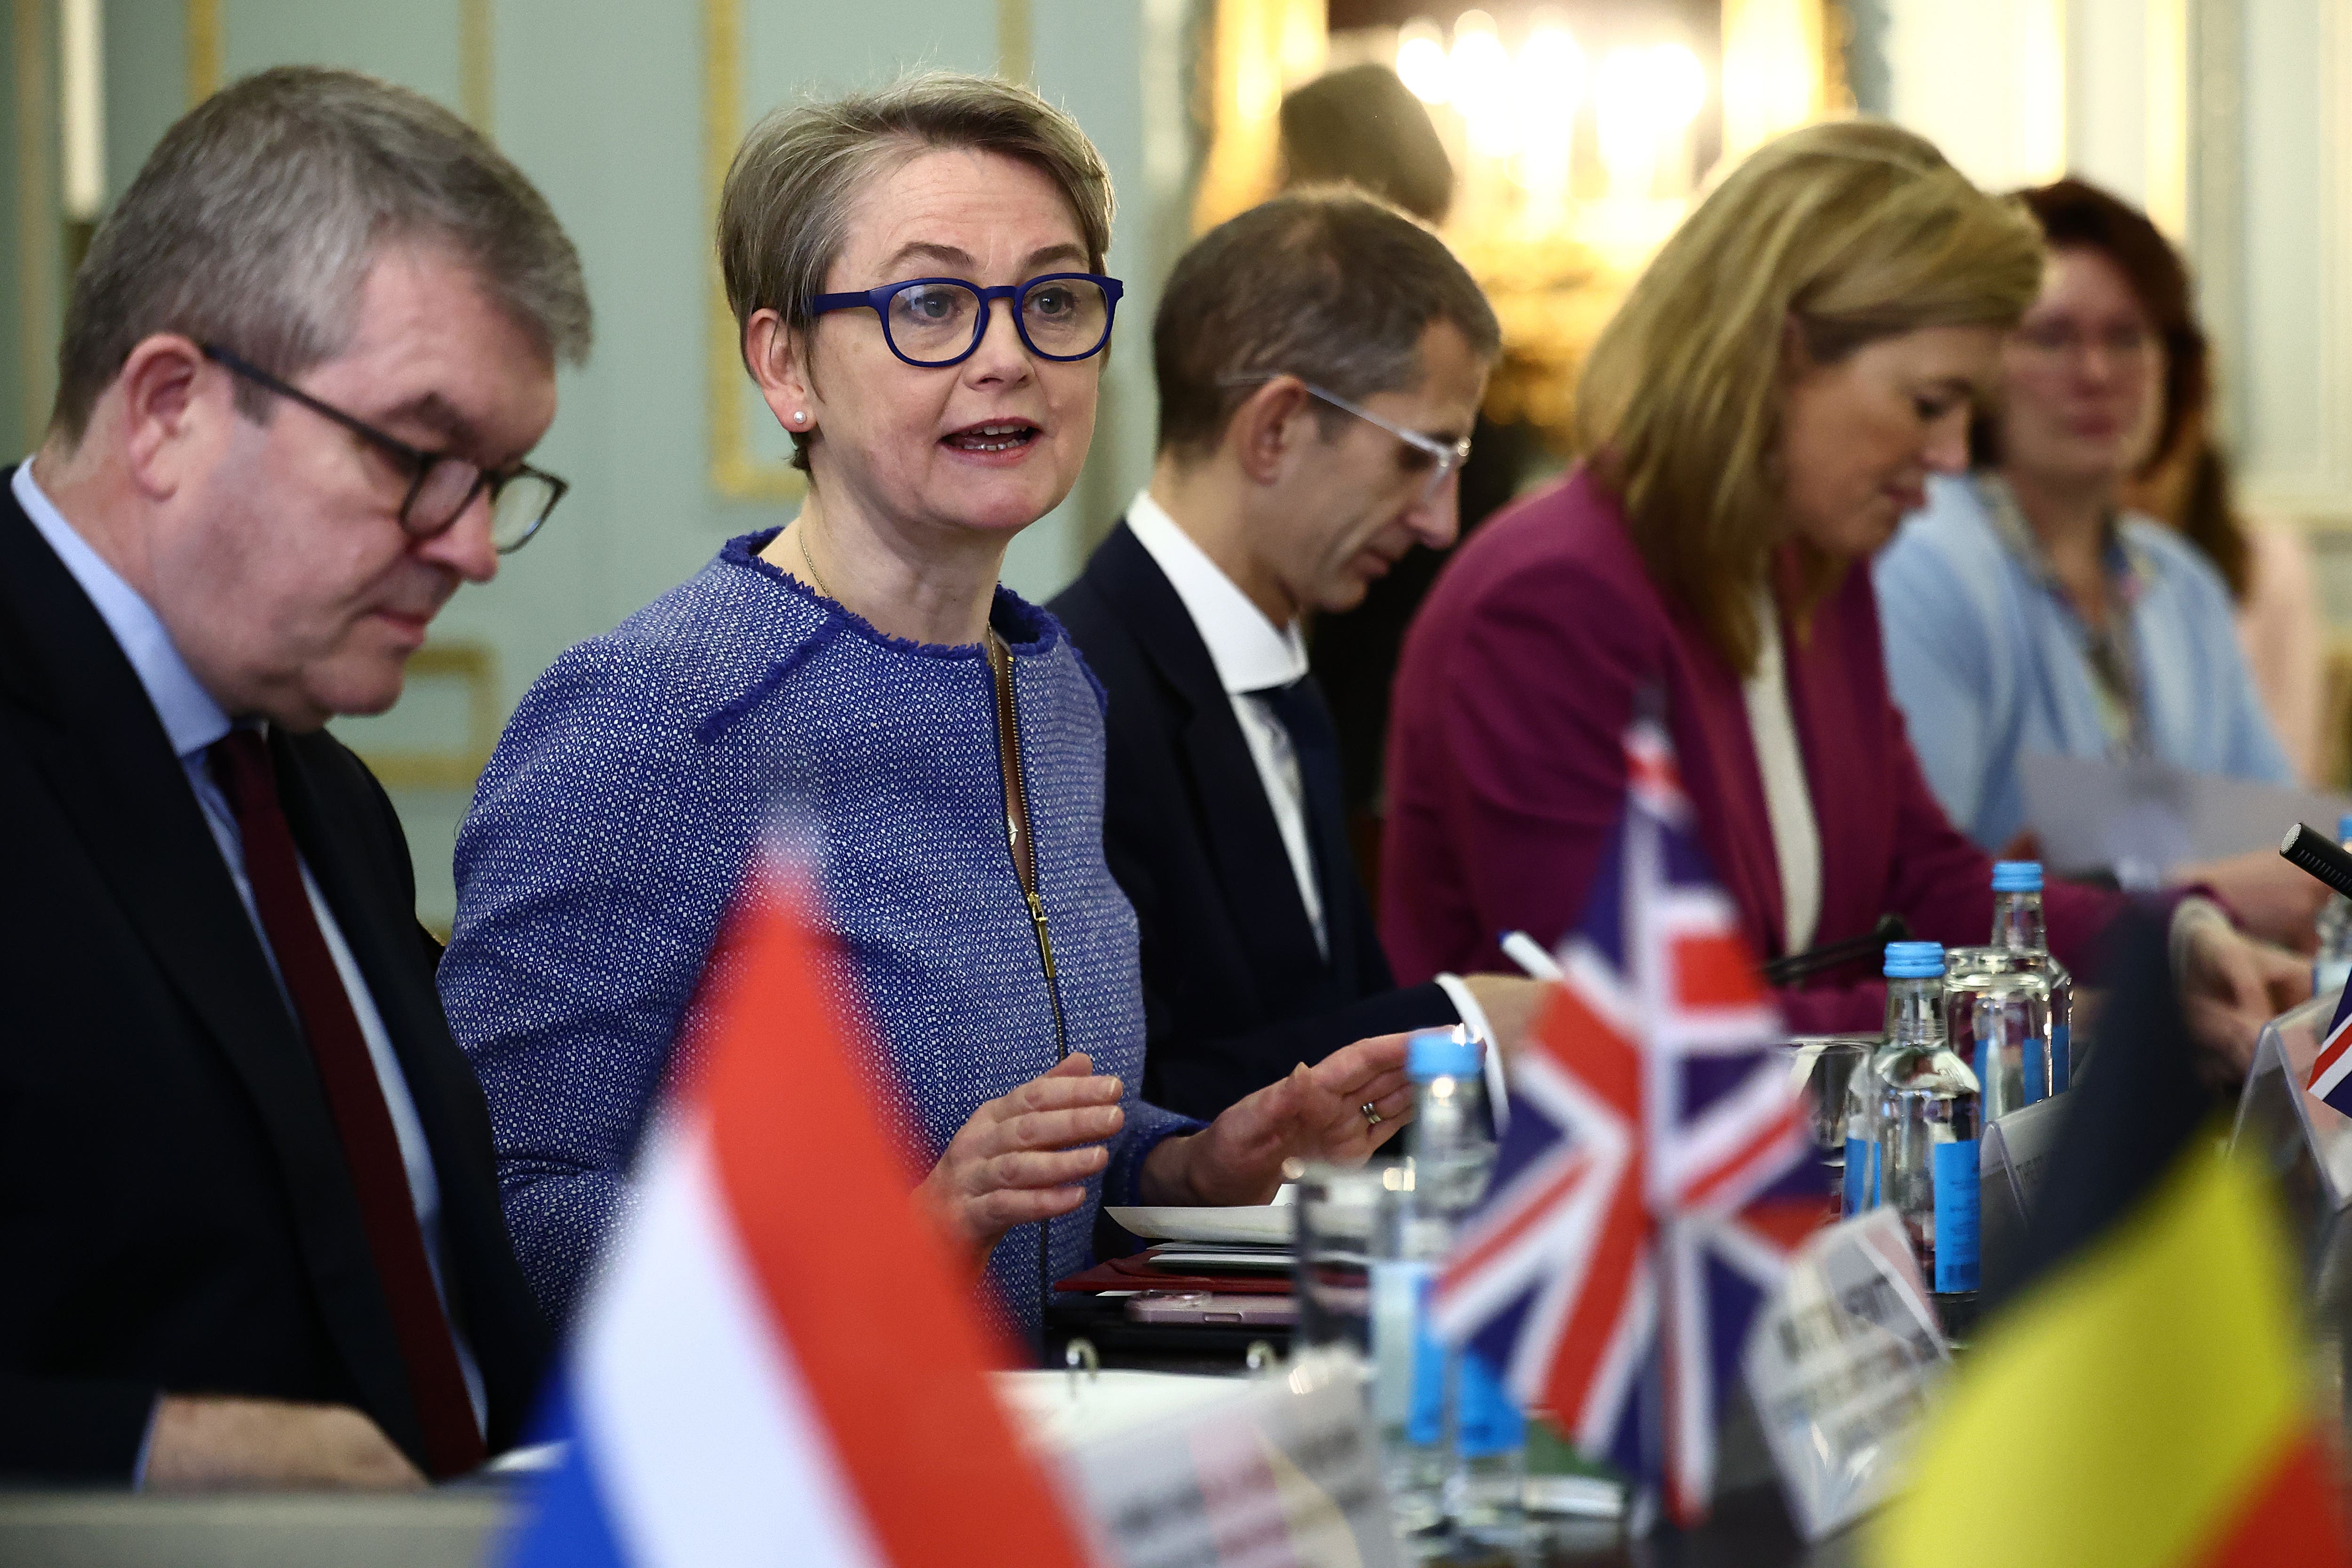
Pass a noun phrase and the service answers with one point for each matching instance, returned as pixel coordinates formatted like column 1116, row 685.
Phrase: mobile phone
column 1213, row 1307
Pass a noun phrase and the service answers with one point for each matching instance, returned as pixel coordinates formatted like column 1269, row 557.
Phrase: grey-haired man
column 246, row 1192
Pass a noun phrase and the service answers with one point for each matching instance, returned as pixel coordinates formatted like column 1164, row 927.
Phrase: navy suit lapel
column 1253, row 868
column 92, row 734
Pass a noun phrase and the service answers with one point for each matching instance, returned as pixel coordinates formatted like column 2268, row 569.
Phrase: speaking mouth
column 992, row 436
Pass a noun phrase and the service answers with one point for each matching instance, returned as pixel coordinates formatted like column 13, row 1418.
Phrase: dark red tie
column 453, row 1443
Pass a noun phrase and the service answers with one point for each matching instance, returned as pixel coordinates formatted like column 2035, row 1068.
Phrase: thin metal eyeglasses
column 933, row 322
column 2124, row 344
column 442, row 484
column 1445, row 458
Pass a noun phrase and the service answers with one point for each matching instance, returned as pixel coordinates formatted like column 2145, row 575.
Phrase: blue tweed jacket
column 628, row 797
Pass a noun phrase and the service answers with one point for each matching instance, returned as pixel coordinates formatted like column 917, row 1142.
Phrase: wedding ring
column 1371, row 1114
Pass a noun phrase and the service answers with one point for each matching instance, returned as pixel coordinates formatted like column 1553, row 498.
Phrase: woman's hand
column 2274, row 900
column 1315, row 1114
column 2231, row 985
column 1025, row 1156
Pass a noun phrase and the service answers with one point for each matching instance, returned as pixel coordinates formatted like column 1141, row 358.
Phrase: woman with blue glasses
column 917, row 278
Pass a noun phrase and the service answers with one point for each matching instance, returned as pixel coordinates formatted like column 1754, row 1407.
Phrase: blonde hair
column 1850, row 231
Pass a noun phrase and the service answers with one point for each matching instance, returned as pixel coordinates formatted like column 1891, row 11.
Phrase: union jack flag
column 1654, row 1176
column 2331, row 1070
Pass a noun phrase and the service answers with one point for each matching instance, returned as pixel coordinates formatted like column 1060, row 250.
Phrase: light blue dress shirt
column 1989, row 662
column 193, row 721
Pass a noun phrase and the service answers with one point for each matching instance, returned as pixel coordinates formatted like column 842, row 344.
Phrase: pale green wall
column 601, row 102
column 146, row 80
column 14, row 425
column 414, row 42
column 35, row 252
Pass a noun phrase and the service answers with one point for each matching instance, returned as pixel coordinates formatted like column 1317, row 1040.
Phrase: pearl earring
column 800, row 416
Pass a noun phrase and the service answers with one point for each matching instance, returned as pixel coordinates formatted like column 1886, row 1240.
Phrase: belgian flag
column 2144, row 1397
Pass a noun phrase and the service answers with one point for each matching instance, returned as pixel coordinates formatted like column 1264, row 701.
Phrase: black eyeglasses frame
column 419, row 462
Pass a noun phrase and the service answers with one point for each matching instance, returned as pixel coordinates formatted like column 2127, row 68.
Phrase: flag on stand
column 2145, row 1398
column 780, row 1363
column 2331, row 1070
column 1654, row 1177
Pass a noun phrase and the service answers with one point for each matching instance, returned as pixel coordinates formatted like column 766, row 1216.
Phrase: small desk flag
column 748, row 1383
column 2145, row 1397
column 1654, row 1179
column 2331, row 1070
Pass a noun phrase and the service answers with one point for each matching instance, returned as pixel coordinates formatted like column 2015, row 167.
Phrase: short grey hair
column 784, row 215
column 1326, row 284
column 255, row 221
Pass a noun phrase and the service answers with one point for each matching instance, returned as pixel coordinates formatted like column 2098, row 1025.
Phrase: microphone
column 1792, row 967
column 2315, row 852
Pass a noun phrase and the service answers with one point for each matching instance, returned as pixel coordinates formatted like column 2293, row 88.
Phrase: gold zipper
column 1022, row 845
column 1018, row 838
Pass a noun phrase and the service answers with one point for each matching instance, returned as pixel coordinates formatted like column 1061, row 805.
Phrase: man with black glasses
column 1320, row 360
column 247, row 1199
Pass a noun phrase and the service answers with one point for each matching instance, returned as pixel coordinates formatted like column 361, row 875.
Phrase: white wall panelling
column 2227, row 120
column 1986, row 81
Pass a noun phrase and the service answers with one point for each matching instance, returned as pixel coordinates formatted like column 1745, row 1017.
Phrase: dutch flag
column 2331, row 1071
column 780, row 1363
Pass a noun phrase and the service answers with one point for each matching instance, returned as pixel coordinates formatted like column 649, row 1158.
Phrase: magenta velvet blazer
column 1506, row 767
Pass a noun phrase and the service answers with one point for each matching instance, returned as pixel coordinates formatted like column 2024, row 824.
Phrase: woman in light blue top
column 915, row 275
column 2024, row 611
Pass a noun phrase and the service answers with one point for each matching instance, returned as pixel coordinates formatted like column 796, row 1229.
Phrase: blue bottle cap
column 1446, row 1054
column 2017, row 877
column 1914, row 960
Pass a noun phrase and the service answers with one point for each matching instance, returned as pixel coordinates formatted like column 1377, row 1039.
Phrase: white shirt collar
column 191, row 717
column 1249, row 651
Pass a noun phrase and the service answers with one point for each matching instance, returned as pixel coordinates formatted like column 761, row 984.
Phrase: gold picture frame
column 207, row 50
column 736, row 472
column 474, row 664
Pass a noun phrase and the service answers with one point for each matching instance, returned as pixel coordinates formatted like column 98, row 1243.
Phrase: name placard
column 1268, row 1473
column 2304, row 1141
column 2014, row 1157
column 1840, row 1365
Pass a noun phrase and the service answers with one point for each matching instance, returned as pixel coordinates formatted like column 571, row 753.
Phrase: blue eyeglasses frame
column 878, row 301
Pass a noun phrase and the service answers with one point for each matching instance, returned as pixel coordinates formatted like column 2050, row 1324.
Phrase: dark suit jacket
column 1236, row 994
column 176, row 1212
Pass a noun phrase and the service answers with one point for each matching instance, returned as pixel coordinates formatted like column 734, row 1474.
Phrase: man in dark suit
column 1320, row 360
column 247, row 1202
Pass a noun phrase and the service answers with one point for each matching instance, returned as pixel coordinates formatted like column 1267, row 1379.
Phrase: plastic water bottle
column 1860, row 1188
column 2008, row 1006
column 1459, row 1404
column 1857, row 1183
column 2019, row 928
column 2332, row 964
column 1451, row 1138
column 1408, row 1249
column 1997, row 1019
column 1928, row 1114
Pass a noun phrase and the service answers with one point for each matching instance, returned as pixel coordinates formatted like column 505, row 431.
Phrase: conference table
column 464, row 1525
column 461, row 1527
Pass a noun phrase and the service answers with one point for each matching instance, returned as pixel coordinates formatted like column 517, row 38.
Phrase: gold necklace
column 799, row 536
